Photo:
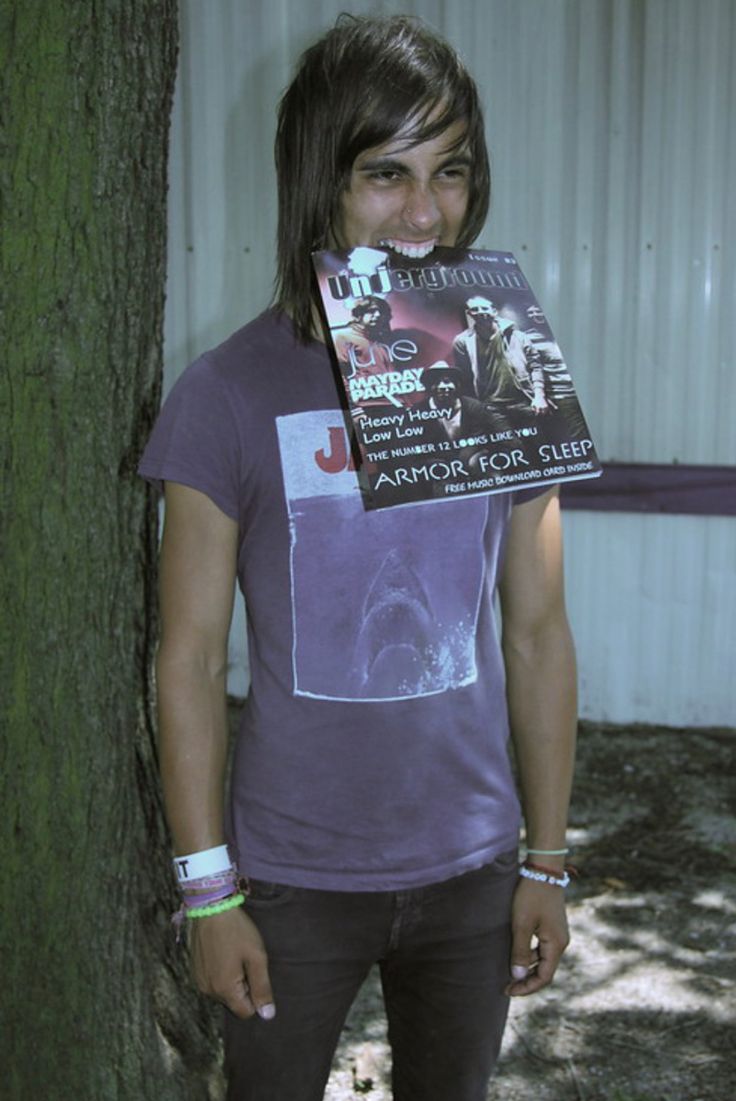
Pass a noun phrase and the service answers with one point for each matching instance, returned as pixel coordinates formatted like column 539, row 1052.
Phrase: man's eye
column 386, row 175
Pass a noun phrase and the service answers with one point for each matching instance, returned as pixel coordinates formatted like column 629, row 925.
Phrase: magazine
column 454, row 382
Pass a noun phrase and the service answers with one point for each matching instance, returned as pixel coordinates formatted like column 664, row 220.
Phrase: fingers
column 523, row 956
column 528, row 979
column 259, row 985
column 541, row 916
column 249, row 993
column 237, row 999
column 231, row 966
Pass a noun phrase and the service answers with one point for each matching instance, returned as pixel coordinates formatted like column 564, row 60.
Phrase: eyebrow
column 394, row 164
column 382, row 163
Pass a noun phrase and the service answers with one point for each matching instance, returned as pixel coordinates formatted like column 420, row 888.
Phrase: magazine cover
column 454, row 382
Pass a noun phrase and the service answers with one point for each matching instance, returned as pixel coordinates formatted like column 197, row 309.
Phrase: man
column 454, row 416
column 461, row 415
column 369, row 346
column 566, row 421
column 371, row 807
column 500, row 365
column 364, row 345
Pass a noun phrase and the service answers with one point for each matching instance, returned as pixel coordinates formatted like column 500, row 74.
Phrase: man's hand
column 538, row 910
column 230, row 964
column 540, row 404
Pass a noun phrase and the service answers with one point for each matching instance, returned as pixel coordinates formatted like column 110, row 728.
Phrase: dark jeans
column 443, row 952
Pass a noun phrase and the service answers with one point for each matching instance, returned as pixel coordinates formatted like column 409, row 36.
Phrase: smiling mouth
column 414, row 250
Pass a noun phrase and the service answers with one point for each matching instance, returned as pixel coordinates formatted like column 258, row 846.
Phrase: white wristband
column 542, row 877
column 206, row 862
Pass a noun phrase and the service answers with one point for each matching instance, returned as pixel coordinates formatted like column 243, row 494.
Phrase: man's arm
column 541, row 689
column 536, row 374
column 198, row 566
column 461, row 360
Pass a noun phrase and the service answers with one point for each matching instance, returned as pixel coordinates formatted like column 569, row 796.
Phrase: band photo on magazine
column 455, row 384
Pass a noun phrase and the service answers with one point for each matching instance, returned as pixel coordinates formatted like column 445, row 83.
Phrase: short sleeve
column 521, row 496
column 195, row 441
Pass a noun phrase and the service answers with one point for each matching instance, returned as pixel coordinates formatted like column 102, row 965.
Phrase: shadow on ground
column 644, row 1007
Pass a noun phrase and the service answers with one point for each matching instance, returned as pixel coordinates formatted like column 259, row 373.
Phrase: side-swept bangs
column 362, row 84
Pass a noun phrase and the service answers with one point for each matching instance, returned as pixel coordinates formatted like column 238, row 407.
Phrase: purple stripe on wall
column 651, row 487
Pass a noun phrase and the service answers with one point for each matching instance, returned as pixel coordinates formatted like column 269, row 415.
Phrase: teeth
column 413, row 252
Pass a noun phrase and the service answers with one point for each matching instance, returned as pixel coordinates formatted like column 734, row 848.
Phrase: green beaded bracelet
column 216, row 907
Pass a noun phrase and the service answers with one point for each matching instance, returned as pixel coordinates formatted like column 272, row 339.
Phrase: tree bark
column 97, row 1001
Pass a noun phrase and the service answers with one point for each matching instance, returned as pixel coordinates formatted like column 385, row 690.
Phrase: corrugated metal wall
column 611, row 125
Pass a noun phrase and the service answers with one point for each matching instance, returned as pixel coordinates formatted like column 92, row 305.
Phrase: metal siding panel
column 688, row 113
column 652, row 603
column 614, row 374
column 614, row 156
column 615, row 161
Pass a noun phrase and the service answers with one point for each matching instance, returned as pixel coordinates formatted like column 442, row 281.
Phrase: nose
column 421, row 210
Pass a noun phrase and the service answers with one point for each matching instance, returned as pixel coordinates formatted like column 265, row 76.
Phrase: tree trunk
column 97, row 1001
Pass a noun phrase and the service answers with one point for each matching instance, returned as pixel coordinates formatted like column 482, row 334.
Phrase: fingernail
column 518, row 971
column 266, row 1012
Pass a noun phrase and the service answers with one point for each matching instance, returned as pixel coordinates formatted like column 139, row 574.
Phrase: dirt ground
column 644, row 1005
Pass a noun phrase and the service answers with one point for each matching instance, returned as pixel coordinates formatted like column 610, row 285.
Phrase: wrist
column 205, row 862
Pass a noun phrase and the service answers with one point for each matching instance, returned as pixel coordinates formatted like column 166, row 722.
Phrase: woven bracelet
column 210, row 882
column 550, row 871
column 194, row 901
column 216, row 907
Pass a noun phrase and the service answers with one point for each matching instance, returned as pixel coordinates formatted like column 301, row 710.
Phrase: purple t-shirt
column 372, row 748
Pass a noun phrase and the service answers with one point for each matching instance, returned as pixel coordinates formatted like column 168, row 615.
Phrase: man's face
column 409, row 200
column 481, row 314
column 444, row 390
column 536, row 314
column 370, row 319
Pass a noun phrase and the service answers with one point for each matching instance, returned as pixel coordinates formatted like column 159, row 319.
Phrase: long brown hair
column 355, row 88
